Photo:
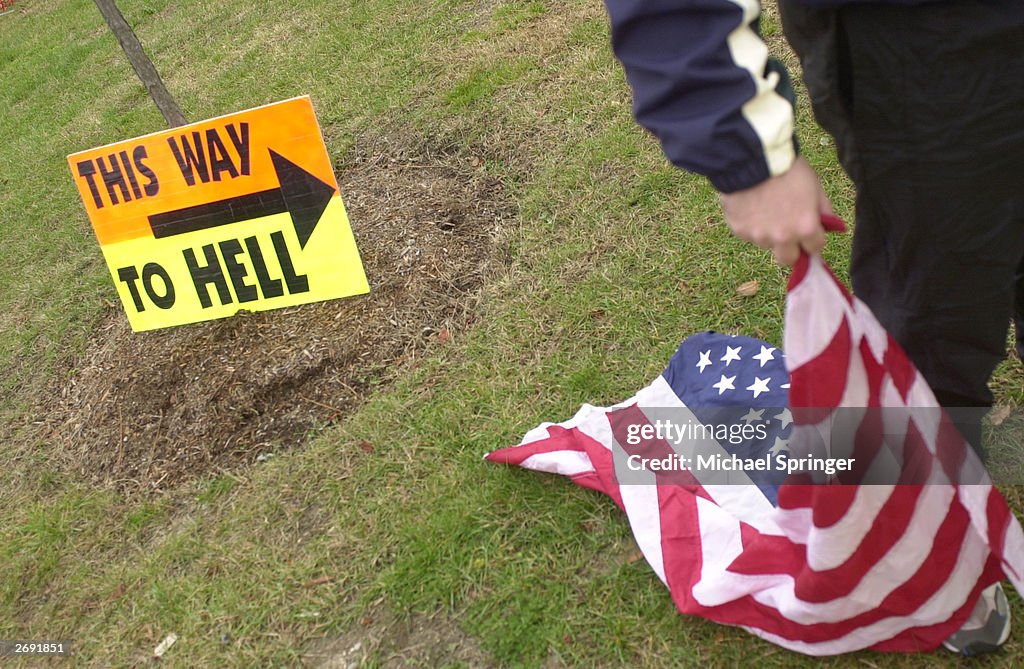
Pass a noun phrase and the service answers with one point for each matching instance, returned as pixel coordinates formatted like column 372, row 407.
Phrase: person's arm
column 704, row 85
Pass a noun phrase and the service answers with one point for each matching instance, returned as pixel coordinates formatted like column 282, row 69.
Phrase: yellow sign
column 238, row 212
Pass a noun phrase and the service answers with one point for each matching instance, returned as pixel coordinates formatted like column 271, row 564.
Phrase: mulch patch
column 148, row 411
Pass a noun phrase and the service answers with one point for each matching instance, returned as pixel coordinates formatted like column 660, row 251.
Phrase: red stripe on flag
column 649, row 449
column 560, row 440
column 680, row 545
column 800, row 269
column 999, row 518
column 875, row 373
column 951, row 449
column 603, row 479
column 821, row 382
column 917, row 459
column 868, row 442
column 840, row 499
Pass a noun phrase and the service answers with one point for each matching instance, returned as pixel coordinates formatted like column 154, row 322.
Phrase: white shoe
column 988, row 627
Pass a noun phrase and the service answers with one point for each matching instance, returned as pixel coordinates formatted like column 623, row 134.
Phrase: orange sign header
column 123, row 184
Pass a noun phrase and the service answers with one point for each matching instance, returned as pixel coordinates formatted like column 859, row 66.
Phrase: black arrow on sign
column 301, row 194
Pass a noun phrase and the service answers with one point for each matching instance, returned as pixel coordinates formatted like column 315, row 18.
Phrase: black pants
column 926, row 105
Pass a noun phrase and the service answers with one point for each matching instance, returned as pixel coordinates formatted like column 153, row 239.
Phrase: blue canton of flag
column 727, row 380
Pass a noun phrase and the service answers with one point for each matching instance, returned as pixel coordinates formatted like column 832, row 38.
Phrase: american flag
column 819, row 569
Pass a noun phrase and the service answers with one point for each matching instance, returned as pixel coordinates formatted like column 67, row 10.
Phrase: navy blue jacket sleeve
column 704, row 85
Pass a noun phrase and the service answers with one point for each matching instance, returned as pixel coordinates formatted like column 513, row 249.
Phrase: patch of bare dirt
column 148, row 411
column 382, row 641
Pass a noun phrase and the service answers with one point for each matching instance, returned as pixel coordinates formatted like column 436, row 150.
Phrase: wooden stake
column 141, row 62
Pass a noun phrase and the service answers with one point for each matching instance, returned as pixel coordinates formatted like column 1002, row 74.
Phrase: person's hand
column 782, row 214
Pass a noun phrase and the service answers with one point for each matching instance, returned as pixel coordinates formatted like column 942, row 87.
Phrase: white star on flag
column 765, row 355
column 759, row 386
column 753, row 415
column 705, row 360
column 725, row 384
column 785, row 418
column 780, row 444
column 731, row 354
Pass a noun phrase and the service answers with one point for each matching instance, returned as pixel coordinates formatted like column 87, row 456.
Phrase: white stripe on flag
column 566, row 463
column 816, row 294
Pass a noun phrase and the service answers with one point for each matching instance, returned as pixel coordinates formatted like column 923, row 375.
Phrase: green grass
column 614, row 258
